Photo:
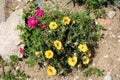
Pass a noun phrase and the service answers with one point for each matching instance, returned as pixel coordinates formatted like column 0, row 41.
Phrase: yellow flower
column 89, row 54
column 58, row 44
column 51, row 71
column 72, row 61
column 53, row 25
column 85, row 60
column 83, row 47
column 49, row 54
column 37, row 53
column 66, row 20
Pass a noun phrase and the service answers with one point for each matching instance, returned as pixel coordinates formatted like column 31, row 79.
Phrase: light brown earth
column 107, row 56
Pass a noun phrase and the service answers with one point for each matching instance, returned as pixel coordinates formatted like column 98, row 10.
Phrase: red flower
column 56, row 17
column 43, row 26
column 32, row 22
column 39, row 13
column 22, row 50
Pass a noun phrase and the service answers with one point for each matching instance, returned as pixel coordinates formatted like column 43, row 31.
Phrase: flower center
column 65, row 20
column 85, row 60
column 53, row 25
column 73, row 60
column 51, row 70
column 82, row 47
column 49, row 54
column 32, row 22
column 57, row 44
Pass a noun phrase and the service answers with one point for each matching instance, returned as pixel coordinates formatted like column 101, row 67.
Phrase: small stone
column 93, row 64
column 109, row 29
column 77, row 77
column 19, row 0
column 118, row 37
column 17, row 7
column 108, row 77
column 119, row 40
column 106, row 56
column 118, row 75
column 20, row 55
column 113, row 36
column 111, row 14
column 89, row 79
column 119, row 59
column 17, row 68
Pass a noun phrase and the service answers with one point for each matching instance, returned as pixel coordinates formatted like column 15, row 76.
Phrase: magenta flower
column 39, row 13
column 22, row 50
column 43, row 26
column 32, row 22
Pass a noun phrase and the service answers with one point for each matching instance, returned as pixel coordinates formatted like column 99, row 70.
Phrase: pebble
column 119, row 40
column 20, row 55
column 89, row 78
column 19, row 0
column 93, row 64
column 113, row 36
column 111, row 14
column 106, row 56
column 109, row 29
column 17, row 7
column 17, row 68
column 119, row 59
column 108, row 77
column 118, row 37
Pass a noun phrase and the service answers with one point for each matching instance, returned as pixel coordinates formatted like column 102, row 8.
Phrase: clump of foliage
column 11, row 73
column 59, row 40
column 97, row 6
column 90, row 71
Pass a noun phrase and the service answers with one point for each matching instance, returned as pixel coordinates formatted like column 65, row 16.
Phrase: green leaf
column 14, row 58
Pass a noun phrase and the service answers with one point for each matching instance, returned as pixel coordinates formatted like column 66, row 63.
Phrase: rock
column 111, row 14
column 9, row 35
column 108, row 77
column 19, row 0
column 17, row 68
column 118, row 36
column 89, row 79
column 2, row 12
column 106, row 56
column 119, row 40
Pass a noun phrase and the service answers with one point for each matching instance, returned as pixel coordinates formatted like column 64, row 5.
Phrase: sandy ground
column 107, row 55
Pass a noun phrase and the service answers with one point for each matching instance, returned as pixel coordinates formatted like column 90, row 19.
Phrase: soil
column 107, row 55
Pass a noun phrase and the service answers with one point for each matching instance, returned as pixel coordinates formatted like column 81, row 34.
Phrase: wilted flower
column 83, row 47
column 85, row 60
column 72, row 61
column 53, row 25
column 49, row 54
column 37, row 53
column 89, row 54
column 56, row 17
column 43, row 26
column 39, row 13
column 66, row 20
column 51, row 71
column 58, row 44
column 32, row 22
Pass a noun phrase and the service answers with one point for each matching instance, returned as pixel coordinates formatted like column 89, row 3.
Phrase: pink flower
column 39, row 13
column 43, row 26
column 32, row 22
column 22, row 50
